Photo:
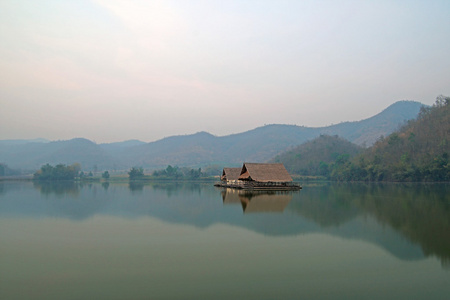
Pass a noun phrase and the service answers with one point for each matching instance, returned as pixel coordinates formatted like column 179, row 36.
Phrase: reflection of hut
column 266, row 177
column 254, row 202
column 230, row 196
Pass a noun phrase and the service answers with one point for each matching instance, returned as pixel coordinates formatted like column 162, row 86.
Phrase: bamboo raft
column 261, row 186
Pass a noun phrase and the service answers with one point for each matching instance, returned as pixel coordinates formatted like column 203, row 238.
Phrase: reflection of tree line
column 171, row 188
column 59, row 188
column 419, row 212
column 71, row 199
column 73, row 188
column 62, row 188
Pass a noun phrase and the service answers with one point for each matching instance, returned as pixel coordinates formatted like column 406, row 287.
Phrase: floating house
column 258, row 176
column 230, row 177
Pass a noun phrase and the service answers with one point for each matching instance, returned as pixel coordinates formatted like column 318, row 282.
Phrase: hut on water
column 260, row 176
column 230, row 177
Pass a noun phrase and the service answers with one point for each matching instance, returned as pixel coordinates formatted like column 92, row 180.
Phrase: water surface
column 194, row 241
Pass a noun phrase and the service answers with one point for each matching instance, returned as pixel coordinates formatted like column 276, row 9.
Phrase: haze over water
column 194, row 241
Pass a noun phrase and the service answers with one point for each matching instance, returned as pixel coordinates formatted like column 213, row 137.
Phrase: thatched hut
column 266, row 176
column 230, row 177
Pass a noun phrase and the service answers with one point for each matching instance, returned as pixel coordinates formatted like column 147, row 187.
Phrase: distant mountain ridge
column 202, row 148
column 369, row 130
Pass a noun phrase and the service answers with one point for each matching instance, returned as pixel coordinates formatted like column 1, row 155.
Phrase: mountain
column 116, row 148
column 419, row 151
column 202, row 148
column 314, row 158
column 32, row 156
column 22, row 142
column 263, row 143
column 366, row 132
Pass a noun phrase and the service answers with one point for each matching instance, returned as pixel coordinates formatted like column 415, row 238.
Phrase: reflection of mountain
column 327, row 206
column 395, row 217
column 421, row 213
column 254, row 202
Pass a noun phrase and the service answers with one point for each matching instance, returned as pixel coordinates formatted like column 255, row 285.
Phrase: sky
column 114, row 70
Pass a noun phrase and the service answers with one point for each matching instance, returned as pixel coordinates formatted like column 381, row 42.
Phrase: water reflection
column 105, row 185
column 255, row 202
column 410, row 221
column 59, row 188
column 419, row 212
column 230, row 196
column 136, row 187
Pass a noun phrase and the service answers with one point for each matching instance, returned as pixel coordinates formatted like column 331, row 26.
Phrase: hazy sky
column 112, row 70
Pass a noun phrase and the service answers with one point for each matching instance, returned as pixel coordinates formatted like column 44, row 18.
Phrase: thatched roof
column 265, row 173
column 231, row 173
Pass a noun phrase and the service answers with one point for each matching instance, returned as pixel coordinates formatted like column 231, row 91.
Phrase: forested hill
column 315, row 158
column 200, row 149
column 419, row 151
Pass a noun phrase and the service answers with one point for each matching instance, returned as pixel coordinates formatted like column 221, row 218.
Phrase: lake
column 195, row 241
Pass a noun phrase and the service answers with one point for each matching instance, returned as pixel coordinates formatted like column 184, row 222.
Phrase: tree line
column 169, row 173
column 58, row 172
column 73, row 172
column 64, row 172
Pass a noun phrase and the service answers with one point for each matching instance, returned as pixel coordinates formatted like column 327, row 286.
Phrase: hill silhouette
column 202, row 148
column 263, row 143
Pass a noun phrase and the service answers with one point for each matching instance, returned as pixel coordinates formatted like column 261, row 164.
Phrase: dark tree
column 105, row 175
column 136, row 173
column 59, row 172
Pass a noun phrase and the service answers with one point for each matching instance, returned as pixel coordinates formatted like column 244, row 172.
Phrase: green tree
column 105, row 175
column 59, row 172
column 136, row 173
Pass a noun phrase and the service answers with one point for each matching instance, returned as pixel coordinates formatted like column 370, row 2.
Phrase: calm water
column 194, row 241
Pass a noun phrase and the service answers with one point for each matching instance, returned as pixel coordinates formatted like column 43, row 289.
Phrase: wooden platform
column 261, row 186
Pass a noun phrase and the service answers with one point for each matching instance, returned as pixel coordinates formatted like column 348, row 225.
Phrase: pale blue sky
column 112, row 70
